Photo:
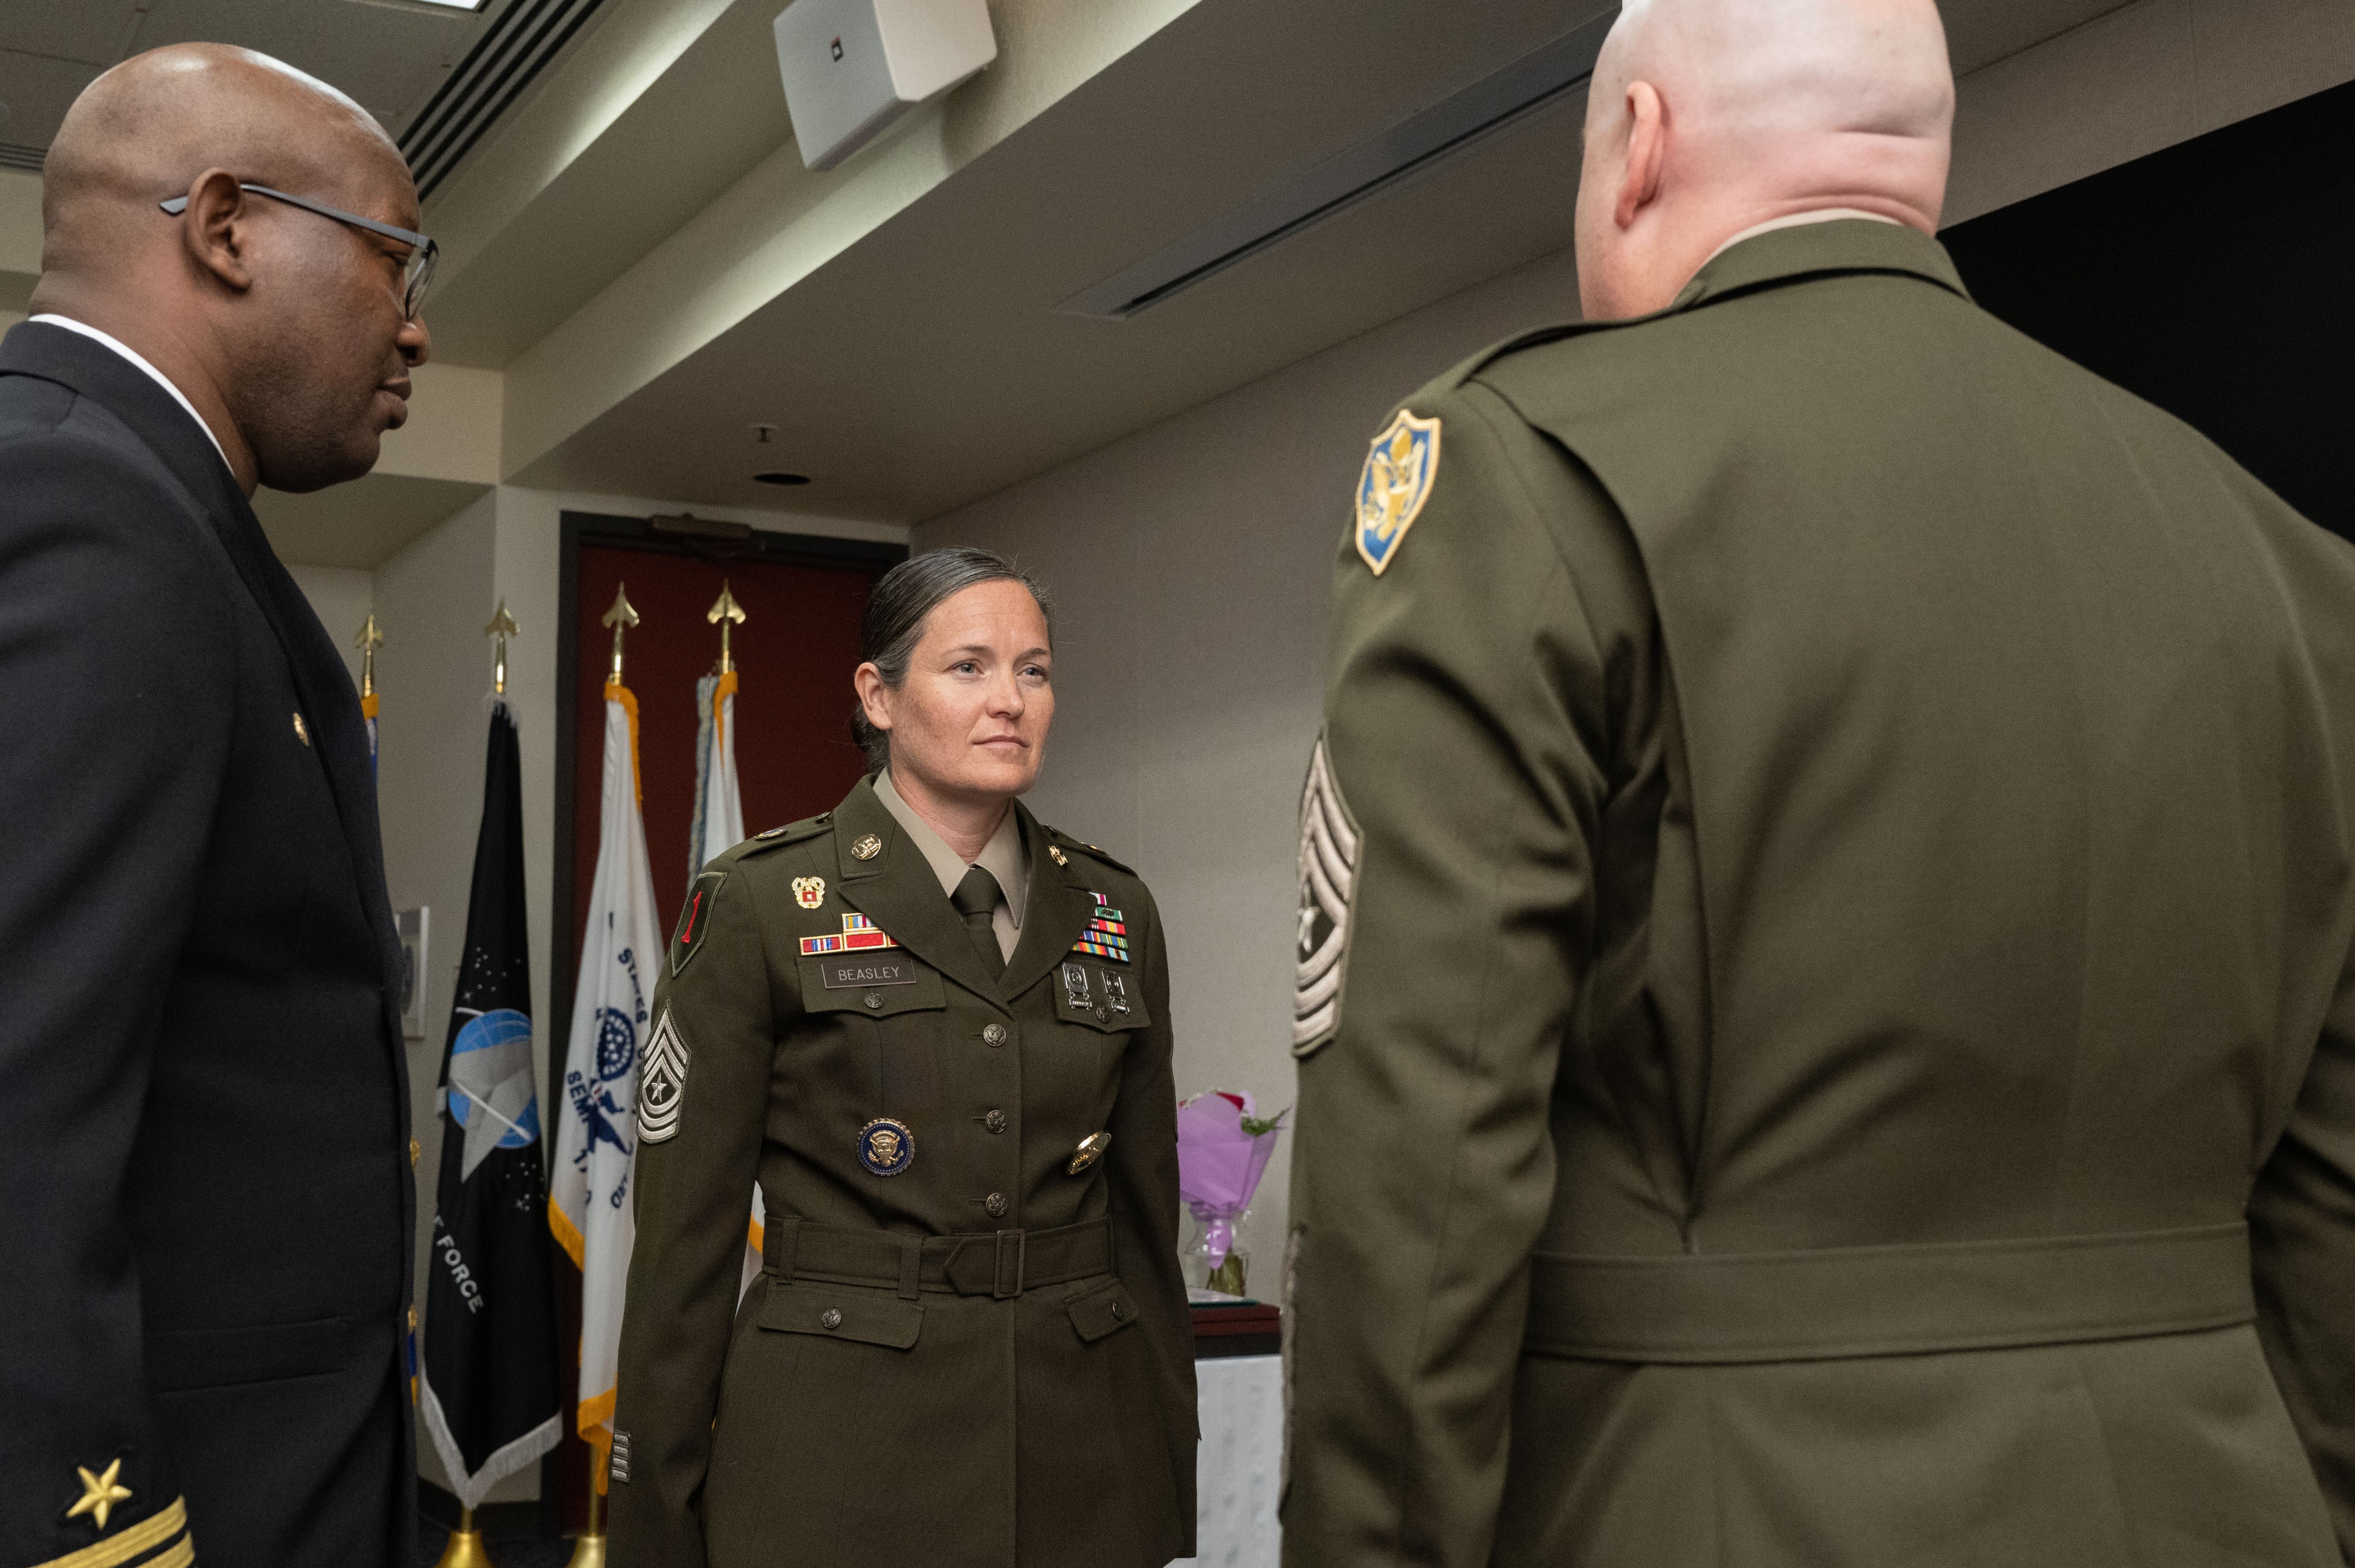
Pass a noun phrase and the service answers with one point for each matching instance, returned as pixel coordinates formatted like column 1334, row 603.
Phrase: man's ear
column 216, row 229
column 1647, row 149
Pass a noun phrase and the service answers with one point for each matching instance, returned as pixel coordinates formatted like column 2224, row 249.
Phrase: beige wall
column 1191, row 561
column 1190, row 566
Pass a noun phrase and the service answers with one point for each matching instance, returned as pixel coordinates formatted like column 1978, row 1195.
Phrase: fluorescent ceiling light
column 456, row 4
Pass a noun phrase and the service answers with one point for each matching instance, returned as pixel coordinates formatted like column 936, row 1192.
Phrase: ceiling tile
column 90, row 31
column 38, row 90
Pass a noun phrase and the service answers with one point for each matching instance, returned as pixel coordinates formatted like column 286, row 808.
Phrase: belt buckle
column 1020, row 1248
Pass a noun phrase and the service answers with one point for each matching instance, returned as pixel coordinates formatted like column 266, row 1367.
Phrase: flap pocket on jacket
column 832, row 1312
column 1100, row 1312
column 876, row 985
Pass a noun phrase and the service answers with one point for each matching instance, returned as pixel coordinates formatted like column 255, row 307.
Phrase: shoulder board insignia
column 1058, row 836
column 693, row 919
column 792, row 833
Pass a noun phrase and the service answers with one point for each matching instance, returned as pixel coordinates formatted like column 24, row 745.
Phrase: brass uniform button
column 416, row 1153
column 995, row 1121
column 412, row 1320
column 830, row 1319
column 1104, row 1014
column 874, row 999
column 995, row 1035
column 302, row 731
column 997, row 1205
column 1118, row 1312
column 867, row 848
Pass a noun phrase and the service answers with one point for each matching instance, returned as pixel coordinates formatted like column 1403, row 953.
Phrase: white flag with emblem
column 719, row 828
column 588, row 1201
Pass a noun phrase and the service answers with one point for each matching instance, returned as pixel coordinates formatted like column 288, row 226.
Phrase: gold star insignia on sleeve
column 100, row 1493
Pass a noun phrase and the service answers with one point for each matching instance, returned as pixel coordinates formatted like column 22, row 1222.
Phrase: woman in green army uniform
column 937, row 1034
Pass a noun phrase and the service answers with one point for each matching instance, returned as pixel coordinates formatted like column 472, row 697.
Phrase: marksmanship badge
column 663, row 1089
column 1330, row 845
column 1400, row 469
column 809, row 892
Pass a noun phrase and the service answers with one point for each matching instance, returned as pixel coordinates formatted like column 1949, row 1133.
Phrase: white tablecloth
column 1240, row 1462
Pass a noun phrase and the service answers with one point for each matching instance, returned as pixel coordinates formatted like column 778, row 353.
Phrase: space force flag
column 490, row 1395
column 589, row 1202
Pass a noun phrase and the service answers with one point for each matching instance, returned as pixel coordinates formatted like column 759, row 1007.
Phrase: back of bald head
column 1784, row 105
column 146, row 129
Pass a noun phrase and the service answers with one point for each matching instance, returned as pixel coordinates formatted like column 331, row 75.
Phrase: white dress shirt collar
column 51, row 318
column 1003, row 856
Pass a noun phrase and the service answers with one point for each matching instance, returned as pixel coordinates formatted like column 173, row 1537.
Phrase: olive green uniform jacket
column 1845, row 1055
column 980, row 1360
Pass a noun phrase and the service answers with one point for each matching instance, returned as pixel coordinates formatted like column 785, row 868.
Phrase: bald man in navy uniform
column 206, row 1202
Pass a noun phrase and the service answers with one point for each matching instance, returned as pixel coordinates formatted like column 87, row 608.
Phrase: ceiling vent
column 1537, row 79
column 510, row 56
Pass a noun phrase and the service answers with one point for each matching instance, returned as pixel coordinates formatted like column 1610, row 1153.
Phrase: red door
column 794, row 758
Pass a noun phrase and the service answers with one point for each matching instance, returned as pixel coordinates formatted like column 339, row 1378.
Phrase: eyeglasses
column 416, row 274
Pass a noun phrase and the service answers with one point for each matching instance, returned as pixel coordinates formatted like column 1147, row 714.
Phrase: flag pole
column 589, row 1550
column 589, row 1546
column 502, row 627
column 465, row 1548
column 720, row 614
column 621, row 617
column 368, row 641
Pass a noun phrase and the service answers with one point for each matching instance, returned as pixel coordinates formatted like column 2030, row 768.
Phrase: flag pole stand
column 465, row 1548
column 589, row 1546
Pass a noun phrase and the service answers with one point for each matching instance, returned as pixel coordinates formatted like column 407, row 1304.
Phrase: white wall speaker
column 852, row 67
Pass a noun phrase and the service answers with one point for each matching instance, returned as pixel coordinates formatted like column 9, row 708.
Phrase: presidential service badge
column 1400, row 469
column 1329, row 848
column 809, row 892
column 662, row 1086
column 886, row 1147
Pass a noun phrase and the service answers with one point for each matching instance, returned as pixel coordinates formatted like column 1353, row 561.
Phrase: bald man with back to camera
column 1826, row 1027
column 206, row 1202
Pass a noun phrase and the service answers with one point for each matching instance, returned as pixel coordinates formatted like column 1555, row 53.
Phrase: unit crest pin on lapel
column 1400, row 469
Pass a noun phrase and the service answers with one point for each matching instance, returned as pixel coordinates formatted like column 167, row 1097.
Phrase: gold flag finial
column 621, row 617
column 502, row 627
column 368, row 641
column 720, row 615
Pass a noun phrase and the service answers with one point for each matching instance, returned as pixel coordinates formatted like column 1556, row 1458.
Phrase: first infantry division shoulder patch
column 1400, row 471
column 1330, row 845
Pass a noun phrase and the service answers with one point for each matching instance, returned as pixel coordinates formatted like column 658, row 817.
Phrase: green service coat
column 1838, row 823
column 886, row 1393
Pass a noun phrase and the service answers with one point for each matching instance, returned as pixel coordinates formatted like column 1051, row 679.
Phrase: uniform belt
column 1002, row 1263
column 1888, row 1301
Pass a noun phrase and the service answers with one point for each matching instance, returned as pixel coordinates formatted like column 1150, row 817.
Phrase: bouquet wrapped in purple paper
column 1223, row 1147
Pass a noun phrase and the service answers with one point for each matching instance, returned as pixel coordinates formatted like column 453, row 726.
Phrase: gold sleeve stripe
column 180, row 1556
column 119, row 1549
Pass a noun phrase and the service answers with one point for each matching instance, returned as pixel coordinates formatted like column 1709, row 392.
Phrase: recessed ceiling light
column 781, row 479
